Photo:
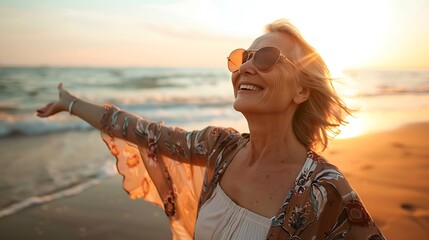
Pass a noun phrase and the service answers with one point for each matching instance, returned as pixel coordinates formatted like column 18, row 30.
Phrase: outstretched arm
column 93, row 114
column 170, row 141
column 89, row 112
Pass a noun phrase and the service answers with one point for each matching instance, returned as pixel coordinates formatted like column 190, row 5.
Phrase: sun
column 346, row 34
column 352, row 36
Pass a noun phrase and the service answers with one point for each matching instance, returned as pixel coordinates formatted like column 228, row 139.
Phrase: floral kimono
column 178, row 171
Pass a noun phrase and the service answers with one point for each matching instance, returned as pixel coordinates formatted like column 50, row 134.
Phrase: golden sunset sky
column 389, row 34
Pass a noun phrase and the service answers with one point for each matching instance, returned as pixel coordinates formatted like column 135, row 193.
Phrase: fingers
column 43, row 112
column 40, row 113
column 43, row 109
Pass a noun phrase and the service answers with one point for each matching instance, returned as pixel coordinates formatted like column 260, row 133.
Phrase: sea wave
column 60, row 191
column 35, row 126
column 173, row 111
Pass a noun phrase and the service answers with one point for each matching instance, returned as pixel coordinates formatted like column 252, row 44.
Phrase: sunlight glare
column 354, row 128
column 338, row 35
column 335, row 28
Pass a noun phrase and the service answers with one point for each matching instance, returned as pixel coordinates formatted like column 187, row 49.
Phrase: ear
column 302, row 95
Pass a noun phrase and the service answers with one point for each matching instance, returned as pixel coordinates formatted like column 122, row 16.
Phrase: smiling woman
column 270, row 183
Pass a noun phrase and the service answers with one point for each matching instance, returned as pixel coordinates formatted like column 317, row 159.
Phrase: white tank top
column 222, row 218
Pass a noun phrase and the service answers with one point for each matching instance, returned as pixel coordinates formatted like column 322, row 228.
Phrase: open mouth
column 249, row 87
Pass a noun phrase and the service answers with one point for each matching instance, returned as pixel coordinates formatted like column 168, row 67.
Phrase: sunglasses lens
column 236, row 58
column 265, row 58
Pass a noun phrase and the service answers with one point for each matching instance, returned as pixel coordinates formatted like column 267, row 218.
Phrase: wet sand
column 102, row 212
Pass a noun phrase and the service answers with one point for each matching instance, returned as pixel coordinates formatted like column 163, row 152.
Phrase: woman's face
column 269, row 92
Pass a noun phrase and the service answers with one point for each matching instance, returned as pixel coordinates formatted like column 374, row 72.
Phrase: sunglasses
column 264, row 59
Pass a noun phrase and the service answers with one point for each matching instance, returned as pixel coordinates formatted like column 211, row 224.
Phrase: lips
column 249, row 87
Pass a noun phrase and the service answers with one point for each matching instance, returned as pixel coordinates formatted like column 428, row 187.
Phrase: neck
column 272, row 140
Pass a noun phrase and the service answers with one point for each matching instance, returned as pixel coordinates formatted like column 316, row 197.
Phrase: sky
column 387, row 34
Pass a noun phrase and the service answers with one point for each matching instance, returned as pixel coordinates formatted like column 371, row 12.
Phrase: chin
column 238, row 106
column 243, row 106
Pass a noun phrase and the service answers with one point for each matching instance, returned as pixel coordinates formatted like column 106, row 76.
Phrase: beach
column 170, row 63
column 388, row 169
column 101, row 211
column 58, row 180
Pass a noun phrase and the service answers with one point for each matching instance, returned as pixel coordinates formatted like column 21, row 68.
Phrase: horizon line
column 195, row 67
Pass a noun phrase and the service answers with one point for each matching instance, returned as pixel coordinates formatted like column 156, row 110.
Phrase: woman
column 219, row 184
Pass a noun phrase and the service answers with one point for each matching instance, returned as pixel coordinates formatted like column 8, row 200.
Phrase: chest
column 261, row 190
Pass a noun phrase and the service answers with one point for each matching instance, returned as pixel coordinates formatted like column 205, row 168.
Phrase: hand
column 59, row 106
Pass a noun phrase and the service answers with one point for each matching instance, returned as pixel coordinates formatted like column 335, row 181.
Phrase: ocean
column 187, row 97
column 176, row 96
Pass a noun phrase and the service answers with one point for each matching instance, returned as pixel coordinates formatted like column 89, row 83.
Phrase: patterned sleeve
column 349, row 220
column 163, row 165
column 172, row 142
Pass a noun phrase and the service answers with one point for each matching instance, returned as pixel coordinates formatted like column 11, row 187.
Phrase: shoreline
column 388, row 169
column 100, row 212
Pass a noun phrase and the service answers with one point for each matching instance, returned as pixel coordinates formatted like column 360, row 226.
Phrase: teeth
column 249, row 87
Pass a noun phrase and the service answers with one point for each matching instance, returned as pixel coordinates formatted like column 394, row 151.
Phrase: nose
column 250, row 56
column 247, row 66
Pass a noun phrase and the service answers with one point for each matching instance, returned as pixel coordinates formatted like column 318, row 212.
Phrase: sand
column 389, row 170
column 103, row 212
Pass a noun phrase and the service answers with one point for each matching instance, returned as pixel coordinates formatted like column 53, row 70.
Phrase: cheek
column 283, row 88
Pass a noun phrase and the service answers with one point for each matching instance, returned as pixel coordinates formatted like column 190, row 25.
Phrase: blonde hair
column 324, row 111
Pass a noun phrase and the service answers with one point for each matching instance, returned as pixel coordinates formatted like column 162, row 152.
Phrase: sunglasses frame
column 251, row 57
